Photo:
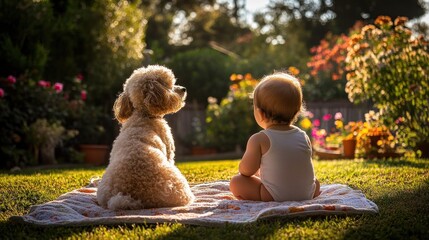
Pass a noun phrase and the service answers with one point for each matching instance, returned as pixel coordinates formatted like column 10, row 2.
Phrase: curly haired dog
column 141, row 172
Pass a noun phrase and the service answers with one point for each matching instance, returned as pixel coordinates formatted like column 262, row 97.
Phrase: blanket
column 214, row 205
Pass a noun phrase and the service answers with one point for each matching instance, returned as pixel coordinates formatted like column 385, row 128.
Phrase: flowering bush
column 388, row 65
column 327, row 65
column 35, row 114
column 230, row 122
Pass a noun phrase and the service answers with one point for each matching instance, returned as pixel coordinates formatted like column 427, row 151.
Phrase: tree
column 321, row 16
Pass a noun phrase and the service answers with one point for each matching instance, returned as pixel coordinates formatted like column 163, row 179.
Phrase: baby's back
column 286, row 168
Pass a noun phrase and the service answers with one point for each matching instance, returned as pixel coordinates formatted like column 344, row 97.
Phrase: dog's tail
column 121, row 201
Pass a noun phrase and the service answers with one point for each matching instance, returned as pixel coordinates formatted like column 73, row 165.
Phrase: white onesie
column 286, row 168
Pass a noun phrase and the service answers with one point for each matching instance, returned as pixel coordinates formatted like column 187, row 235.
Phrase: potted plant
column 91, row 139
column 375, row 138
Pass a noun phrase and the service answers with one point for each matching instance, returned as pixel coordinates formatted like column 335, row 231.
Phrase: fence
column 181, row 123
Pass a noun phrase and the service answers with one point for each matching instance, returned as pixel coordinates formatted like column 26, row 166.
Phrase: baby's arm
column 251, row 161
column 247, row 185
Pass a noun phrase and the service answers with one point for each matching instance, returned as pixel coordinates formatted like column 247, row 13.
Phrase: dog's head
column 151, row 91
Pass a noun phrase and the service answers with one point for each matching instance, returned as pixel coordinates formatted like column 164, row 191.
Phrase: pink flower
column 11, row 79
column 327, row 117
column 1, row 92
column 83, row 95
column 308, row 114
column 44, row 83
column 316, row 122
column 338, row 116
column 58, row 87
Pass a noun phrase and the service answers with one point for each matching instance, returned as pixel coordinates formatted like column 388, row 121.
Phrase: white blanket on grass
column 214, row 205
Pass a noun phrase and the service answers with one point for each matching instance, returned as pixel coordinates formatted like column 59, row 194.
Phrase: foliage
column 323, row 16
column 203, row 72
column 391, row 184
column 54, row 40
column 25, row 36
column 37, row 116
column 230, row 123
column 118, row 43
column 389, row 66
column 327, row 64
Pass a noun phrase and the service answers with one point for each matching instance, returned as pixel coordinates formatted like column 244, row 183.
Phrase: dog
column 141, row 171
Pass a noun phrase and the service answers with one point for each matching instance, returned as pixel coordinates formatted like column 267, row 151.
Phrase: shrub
column 203, row 72
column 390, row 67
column 230, row 122
column 327, row 77
column 36, row 117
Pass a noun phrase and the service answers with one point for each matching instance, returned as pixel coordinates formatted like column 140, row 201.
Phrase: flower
column 316, row 122
column 399, row 21
column 306, row 123
column 83, row 95
column 211, row 100
column 383, row 20
column 58, row 87
column 44, row 83
column 327, row 117
column 293, row 70
column 1, row 92
column 236, row 77
column 338, row 116
column 11, row 79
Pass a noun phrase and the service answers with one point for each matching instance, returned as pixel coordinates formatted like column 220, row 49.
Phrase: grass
column 399, row 187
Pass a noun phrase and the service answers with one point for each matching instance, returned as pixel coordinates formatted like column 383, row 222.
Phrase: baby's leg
column 249, row 188
column 317, row 190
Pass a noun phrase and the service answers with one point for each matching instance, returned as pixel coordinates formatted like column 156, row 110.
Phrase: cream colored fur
column 141, row 172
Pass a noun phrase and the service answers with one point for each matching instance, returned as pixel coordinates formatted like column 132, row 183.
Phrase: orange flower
column 383, row 20
column 400, row 21
column 368, row 28
column 233, row 77
column 355, row 39
column 293, row 70
column 248, row 76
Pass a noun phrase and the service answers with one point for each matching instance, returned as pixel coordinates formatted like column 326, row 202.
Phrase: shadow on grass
column 398, row 162
column 52, row 169
column 402, row 215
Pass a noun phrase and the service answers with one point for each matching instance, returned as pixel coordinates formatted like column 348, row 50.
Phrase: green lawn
column 400, row 188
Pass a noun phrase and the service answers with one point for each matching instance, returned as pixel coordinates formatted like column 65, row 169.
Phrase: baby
column 277, row 163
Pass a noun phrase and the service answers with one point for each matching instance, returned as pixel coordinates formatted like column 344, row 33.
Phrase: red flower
column 11, row 79
column 1, row 92
column 58, row 87
column 83, row 95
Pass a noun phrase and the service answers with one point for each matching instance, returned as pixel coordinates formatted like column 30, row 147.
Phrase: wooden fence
column 181, row 123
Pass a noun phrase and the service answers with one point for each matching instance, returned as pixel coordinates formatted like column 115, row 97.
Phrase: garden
column 398, row 186
column 64, row 64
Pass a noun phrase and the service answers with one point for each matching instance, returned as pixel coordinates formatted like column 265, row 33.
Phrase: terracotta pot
column 349, row 148
column 95, row 154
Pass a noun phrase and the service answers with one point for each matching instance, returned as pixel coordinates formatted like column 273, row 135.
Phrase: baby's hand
column 258, row 173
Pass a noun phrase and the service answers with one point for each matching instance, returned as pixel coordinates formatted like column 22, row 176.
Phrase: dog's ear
column 123, row 108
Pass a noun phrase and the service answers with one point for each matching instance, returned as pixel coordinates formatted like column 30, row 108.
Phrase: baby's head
column 279, row 97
